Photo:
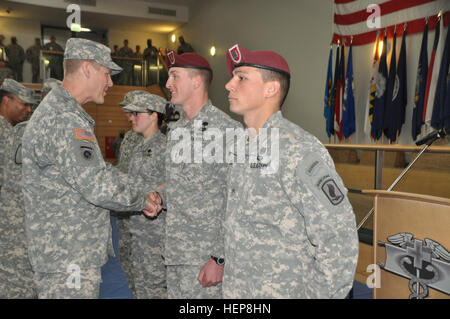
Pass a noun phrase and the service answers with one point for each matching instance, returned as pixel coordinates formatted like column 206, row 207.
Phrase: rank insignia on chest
column 82, row 134
column 149, row 153
column 259, row 164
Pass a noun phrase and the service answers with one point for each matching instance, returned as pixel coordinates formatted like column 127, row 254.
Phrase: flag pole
column 397, row 180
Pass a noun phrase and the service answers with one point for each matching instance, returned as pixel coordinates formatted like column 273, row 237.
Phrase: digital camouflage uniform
column 6, row 73
column 148, row 269
column 6, row 130
column 55, row 60
column 146, row 171
column 127, row 64
column 33, row 56
column 130, row 141
column 68, row 190
column 195, row 195
column 16, row 275
column 16, row 57
column 49, row 84
column 289, row 233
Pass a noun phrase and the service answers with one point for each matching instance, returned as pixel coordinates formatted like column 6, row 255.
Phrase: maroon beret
column 239, row 56
column 187, row 60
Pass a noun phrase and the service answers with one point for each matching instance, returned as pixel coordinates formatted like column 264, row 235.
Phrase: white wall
column 25, row 31
column 301, row 32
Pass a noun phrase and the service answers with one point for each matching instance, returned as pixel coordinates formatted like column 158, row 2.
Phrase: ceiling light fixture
column 75, row 27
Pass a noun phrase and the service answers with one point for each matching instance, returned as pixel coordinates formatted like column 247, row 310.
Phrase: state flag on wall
column 421, row 82
column 339, row 95
column 380, row 95
column 348, row 117
column 368, row 117
column 392, row 85
column 433, row 73
column 401, row 99
column 439, row 111
column 446, row 111
column 334, row 93
column 328, row 93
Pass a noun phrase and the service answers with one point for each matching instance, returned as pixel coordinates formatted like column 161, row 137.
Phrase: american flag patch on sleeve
column 84, row 135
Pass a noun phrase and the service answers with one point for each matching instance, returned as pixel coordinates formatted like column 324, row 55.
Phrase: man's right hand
column 153, row 205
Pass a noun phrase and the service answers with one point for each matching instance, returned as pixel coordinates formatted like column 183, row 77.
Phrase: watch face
column 220, row 261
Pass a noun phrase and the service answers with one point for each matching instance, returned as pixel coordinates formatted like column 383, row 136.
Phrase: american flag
column 84, row 135
column 363, row 18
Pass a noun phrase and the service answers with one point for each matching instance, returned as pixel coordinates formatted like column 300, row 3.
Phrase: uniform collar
column 148, row 143
column 273, row 120
column 71, row 104
column 5, row 122
column 202, row 115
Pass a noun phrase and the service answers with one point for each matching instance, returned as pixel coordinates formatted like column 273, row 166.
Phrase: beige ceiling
column 57, row 17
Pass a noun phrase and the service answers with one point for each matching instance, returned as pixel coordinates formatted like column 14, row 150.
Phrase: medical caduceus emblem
column 426, row 266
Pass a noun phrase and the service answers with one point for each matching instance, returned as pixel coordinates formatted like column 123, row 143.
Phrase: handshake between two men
column 154, row 204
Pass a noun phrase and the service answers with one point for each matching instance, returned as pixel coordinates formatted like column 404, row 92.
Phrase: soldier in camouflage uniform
column 55, row 59
column 130, row 141
column 33, row 56
column 5, row 72
column 14, row 108
column 289, row 227
column 146, row 171
column 16, row 57
column 16, row 275
column 150, row 55
column 48, row 85
column 68, row 188
column 195, row 192
column 127, row 64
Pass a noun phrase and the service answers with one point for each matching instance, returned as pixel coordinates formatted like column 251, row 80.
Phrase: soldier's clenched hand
column 154, row 204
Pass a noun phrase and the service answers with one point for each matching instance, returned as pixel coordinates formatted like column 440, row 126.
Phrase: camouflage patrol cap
column 146, row 102
column 83, row 49
column 50, row 83
column 23, row 93
column 129, row 97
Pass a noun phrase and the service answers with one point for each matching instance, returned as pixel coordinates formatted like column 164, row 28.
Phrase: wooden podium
column 411, row 241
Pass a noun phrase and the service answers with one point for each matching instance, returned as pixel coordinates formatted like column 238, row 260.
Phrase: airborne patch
column 235, row 54
column 84, row 135
column 332, row 191
column 171, row 57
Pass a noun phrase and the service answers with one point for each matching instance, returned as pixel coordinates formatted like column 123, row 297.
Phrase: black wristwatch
column 219, row 260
